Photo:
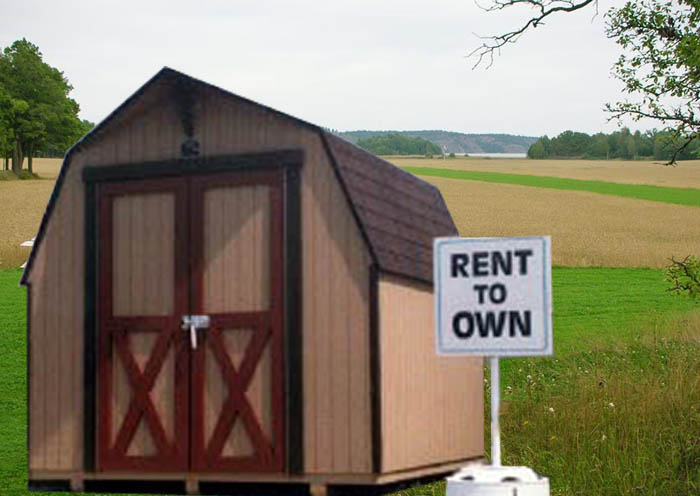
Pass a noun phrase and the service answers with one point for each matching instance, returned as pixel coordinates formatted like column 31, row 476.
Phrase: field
column 23, row 205
column 587, row 229
column 616, row 411
column 678, row 196
column 684, row 175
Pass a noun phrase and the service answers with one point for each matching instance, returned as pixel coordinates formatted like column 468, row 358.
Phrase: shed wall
column 432, row 407
column 335, row 283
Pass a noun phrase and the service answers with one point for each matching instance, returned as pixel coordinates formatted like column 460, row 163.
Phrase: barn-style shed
column 220, row 292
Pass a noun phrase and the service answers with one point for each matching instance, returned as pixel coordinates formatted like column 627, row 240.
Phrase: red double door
column 202, row 251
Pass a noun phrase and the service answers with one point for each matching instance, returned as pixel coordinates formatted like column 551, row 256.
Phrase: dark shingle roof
column 400, row 213
column 397, row 213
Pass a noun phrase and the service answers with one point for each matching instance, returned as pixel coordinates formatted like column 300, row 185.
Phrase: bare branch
column 545, row 8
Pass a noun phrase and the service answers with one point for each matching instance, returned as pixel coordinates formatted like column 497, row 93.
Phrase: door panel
column 238, row 410
column 144, row 235
column 236, row 248
column 198, row 245
column 144, row 362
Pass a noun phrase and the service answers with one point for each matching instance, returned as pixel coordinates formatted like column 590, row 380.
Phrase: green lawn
column 678, row 196
column 13, row 384
column 604, row 322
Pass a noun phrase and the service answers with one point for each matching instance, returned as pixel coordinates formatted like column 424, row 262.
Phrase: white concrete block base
column 487, row 480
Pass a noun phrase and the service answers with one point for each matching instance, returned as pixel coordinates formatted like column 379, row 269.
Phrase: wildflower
column 509, row 389
column 604, row 437
column 529, row 377
column 611, row 404
column 551, row 410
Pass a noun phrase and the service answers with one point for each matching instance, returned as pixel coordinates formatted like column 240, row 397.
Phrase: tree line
column 396, row 144
column 37, row 117
column 623, row 144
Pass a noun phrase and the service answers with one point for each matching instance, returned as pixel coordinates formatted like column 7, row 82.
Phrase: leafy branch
column 684, row 276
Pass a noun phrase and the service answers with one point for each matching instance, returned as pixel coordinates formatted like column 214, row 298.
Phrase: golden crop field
column 23, row 205
column 47, row 168
column 587, row 229
column 684, row 175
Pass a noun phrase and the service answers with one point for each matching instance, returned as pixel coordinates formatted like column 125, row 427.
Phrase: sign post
column 493, row 298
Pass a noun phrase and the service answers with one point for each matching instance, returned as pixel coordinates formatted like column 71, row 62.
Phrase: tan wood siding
column 335, row 284
column 431, row 407
column 143, row 254
column 236, row 249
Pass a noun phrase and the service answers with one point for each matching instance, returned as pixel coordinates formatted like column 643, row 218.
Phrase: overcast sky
column 341, row 64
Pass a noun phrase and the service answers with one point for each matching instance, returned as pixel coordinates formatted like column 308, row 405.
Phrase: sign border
column 548, row 347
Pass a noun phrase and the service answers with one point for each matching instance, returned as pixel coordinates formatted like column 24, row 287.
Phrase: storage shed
column 220, row 292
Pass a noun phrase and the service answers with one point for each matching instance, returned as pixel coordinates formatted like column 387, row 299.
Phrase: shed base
column 254, row 484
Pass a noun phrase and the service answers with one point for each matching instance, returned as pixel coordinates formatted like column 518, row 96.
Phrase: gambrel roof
column 398, row 214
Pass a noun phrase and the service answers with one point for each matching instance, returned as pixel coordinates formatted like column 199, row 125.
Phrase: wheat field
column 684, row 175
column 587, row 229
column 23, row 205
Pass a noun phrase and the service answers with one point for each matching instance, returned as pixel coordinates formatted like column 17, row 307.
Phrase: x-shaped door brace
column 237, row 403
column 141, row 383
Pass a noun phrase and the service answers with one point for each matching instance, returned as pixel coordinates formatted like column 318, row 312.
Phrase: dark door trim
column 195, row 165
column 290, row 161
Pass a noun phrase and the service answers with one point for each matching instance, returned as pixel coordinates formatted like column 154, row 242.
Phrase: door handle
column 193, row 336
column 190, row 323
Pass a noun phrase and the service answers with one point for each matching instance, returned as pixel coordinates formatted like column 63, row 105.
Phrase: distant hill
column 456, row 142
column 396, row 144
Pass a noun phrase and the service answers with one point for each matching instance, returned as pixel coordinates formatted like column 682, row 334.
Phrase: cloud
column 348, row 65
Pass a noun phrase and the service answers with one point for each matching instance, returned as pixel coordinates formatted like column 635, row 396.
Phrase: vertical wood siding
column 335, row 267
column 432, row 407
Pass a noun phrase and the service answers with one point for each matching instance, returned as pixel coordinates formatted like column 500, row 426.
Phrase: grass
column 13, row 455
column 623, row 389
column 676, row 196
column 613, row 325
column 686, row 174
column 587, row 229
column 621, row 419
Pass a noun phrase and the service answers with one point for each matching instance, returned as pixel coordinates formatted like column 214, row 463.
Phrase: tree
column 536, row 150
column 660, row 65
column 396, row 144
column 599, row 147
column 684, row 276
column 36, row 112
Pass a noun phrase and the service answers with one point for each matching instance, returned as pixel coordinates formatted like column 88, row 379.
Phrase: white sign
column 493, row 296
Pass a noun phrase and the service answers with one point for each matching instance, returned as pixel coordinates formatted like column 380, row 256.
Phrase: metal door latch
column 193, row 322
